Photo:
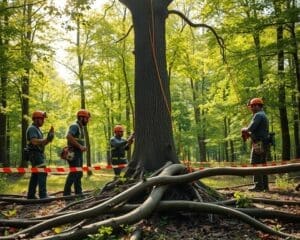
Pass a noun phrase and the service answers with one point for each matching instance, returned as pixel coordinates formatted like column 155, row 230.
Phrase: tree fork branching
column 219, row 39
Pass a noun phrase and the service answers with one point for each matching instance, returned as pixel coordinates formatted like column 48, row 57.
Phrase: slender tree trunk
column 285, row 135
column 3, row 89
column 226, row 155
column 297, row 88
column 8, row 142
column 25, row 79
column 107, row 130
column 198, row 121
column 295, row 110
column 259, row 58
column 230, row 142
column 256, row 39
column 80, row 61
column 129, row 105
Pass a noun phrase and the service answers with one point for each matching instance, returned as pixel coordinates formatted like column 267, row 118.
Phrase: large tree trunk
column 154, row 144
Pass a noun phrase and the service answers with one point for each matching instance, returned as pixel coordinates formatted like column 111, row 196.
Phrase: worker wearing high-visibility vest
column 76, row 143
column 119, row 146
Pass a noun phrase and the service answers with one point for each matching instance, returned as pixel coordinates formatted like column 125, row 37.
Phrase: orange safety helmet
column 39, row 114
column 256, row 101
column 83, row 113
column 118, row 128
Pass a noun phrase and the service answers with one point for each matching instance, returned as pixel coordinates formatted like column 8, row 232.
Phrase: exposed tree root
column 136, row 235
column 171, row 178
column 24, row 201
column 260, row 200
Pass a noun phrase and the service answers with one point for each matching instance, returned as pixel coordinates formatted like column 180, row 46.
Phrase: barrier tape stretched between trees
column 59, row 169
column 193, row 165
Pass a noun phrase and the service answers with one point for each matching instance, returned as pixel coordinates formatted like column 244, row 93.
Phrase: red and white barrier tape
column 202, row 165
column 194, row 165
column 59, row 169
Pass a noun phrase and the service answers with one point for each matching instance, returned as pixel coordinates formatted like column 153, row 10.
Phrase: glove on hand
column 245, row 134
column 131, row 138
column 50, row 135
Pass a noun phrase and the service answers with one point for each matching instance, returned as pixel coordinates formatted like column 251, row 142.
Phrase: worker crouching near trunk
column 118, row 147
column 258, row 131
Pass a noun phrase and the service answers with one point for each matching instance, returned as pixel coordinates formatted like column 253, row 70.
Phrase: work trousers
column 260, row 157
column 37, row 159
column 37, row 179
column 117, row 161
column 74, row 177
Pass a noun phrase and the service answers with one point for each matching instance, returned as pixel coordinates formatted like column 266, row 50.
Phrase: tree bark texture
column 154, row 145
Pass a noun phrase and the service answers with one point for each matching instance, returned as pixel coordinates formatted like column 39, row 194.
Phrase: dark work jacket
column 35, row 152
column 118, row 148
column 259, row 127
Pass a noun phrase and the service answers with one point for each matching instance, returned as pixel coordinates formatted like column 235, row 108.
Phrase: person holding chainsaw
column 258, row 131
column 35, row 153
column 76, row 144
column 118, row 147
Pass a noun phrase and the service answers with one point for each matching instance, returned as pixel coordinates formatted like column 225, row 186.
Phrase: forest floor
column 225, row 228
column 185, row 225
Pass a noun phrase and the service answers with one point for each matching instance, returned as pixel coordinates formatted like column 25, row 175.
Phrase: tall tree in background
column 26, row 54
column 285, row 135
column 4, row 158
column 292, row 13
column 76, row 11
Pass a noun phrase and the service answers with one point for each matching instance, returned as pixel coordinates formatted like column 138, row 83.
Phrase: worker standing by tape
column 35, row 154
column 258, row 131
column 76, row 143
column 118, row 147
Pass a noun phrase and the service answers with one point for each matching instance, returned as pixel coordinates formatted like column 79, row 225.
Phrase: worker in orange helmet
column 118, row 147
column 35, row 153
column 76, row 143
column 258, row 131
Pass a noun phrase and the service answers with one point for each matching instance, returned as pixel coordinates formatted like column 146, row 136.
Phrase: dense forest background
column 210, row 86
